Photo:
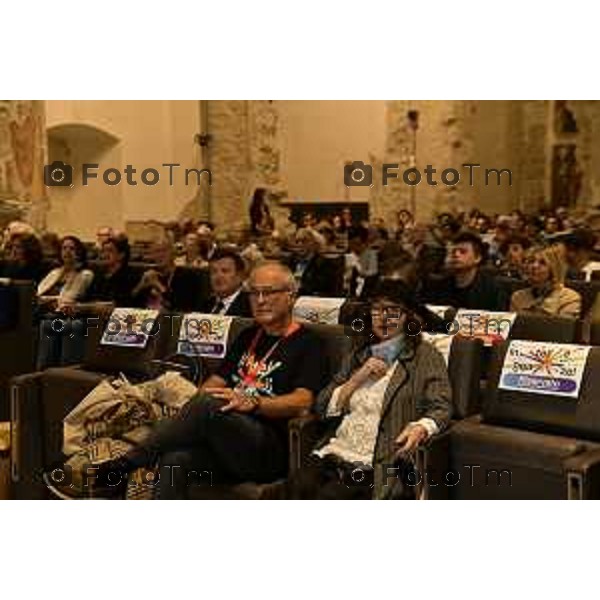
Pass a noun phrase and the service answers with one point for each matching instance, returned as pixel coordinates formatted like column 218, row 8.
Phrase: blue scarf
column 390, row 350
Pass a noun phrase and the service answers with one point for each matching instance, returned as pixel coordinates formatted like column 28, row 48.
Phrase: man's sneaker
column 106, row 480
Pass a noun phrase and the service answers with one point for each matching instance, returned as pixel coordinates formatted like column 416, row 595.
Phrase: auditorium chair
column 543, row 328
column 522, row 446
column 17, row 336
column 41, row 400
column 588, row 291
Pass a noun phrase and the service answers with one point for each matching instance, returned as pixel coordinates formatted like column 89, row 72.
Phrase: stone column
column 22, row 158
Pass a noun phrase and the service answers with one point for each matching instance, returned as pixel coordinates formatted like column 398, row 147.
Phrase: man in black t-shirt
column 235, row 428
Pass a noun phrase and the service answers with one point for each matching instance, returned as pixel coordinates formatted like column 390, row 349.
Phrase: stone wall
column 244, row 153
column 22, row 156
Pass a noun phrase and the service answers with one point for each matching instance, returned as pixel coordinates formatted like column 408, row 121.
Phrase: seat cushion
column 502, row 463
column 545, row 413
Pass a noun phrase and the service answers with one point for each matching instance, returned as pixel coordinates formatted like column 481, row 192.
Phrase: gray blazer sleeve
column 434, row 400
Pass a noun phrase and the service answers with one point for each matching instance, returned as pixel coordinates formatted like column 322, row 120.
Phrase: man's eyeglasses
column 266, row 293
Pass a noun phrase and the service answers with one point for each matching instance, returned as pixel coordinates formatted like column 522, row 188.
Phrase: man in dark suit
column 227, row 270
column 315, row 274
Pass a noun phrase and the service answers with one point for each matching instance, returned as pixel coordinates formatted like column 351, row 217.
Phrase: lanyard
column 292, row 328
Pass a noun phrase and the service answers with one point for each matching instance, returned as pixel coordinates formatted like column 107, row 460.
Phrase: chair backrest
column 335, row 343
column 595, row 334
column 588, row 290
column 545, row 413
column 337, row 265
column 129, row 360
column 508, row 286
column 17, row 336
column 544, row 328
column 464, row 371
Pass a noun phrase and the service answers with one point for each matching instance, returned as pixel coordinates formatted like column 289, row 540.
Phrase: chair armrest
column 26, row 448
column 432, row 461
column 299, row 431
column 583, row 475
column 39, row 403
column 304, row 433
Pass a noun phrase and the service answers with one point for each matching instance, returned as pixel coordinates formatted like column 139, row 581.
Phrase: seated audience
column 261, row 222
column 579, row 253
column 497, row 241
column 431, row 253
column 552, row 226
column 67, row 284
column 314, row 273
column 390, row 396
column 236, row 427
column 23, row 258
column 167, row 286
column 192, row 253
column 51, row 249
column 361, row 262
column 227, row 272
column 206, row 240
column 466, row 286
column 116, row 281
column 547, row 294
column 59, row 294
column 513, row 256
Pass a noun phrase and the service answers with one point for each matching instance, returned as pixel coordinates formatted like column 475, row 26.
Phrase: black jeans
column 203, row 445
column 331, row 478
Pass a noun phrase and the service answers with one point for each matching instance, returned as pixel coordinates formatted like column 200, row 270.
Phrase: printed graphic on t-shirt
column 255, row 375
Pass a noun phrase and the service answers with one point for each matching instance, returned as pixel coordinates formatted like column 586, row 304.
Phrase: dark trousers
column 203, row 445
column 330, row 478
column 62, row 343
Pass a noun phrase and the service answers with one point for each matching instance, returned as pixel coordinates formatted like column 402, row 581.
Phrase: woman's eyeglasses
column 388, row 312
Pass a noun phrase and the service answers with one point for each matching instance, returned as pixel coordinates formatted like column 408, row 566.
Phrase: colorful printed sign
column 129, row 327
column 544, row 368
column 204, row 335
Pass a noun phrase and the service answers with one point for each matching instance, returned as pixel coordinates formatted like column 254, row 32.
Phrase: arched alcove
column 78, row 209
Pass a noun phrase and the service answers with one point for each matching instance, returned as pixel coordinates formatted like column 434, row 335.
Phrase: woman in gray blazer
column 390, row 395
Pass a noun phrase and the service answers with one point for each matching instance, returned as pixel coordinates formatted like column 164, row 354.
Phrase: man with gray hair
column 236, row 426
column 314, row 274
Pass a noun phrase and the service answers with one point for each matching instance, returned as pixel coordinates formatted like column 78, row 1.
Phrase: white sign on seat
column 129, row 327
column 312, row 309
column 204, row 335
column 544, row 368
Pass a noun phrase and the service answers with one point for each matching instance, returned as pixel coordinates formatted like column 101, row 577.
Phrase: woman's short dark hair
column 524, row 242
column 121, row 243
column 80, row 249
column 32, row 248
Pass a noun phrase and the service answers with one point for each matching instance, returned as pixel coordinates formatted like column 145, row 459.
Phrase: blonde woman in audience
column 545, row 270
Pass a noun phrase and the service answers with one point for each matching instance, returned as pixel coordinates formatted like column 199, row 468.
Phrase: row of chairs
column 40, row 401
